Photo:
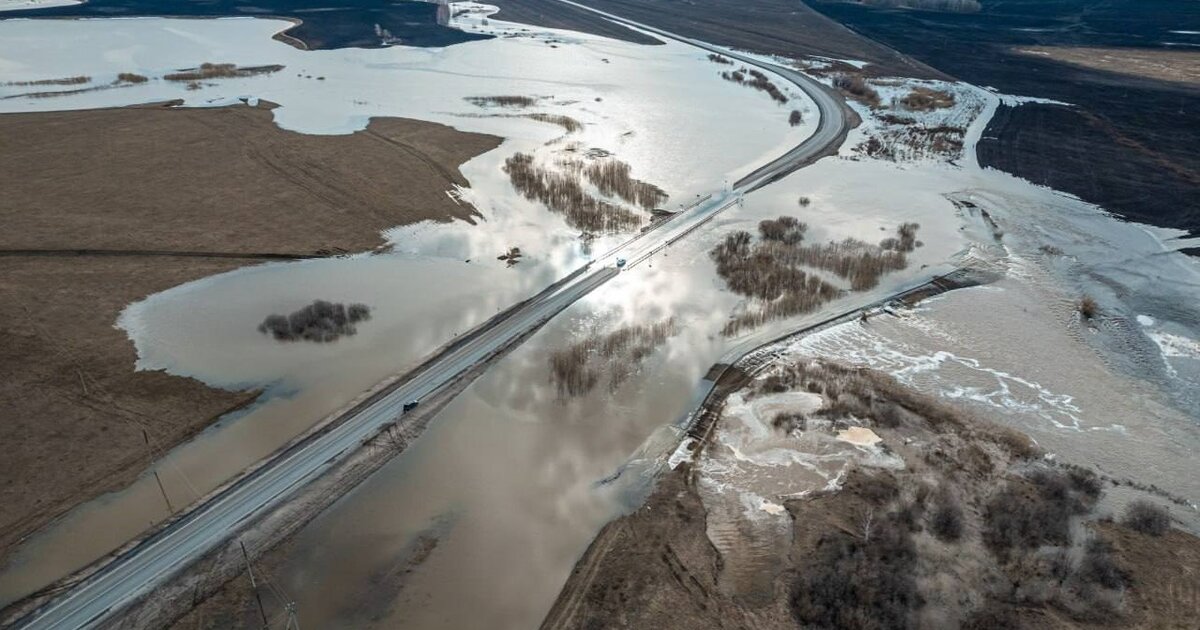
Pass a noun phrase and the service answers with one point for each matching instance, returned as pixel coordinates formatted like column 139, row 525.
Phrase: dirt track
column 206, row 191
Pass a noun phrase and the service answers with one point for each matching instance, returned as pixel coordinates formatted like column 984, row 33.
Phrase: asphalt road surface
column 139, row 569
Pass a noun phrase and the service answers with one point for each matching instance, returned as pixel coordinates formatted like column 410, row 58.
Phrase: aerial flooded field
column 1084, row 336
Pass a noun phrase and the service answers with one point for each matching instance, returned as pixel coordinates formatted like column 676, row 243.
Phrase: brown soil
column 1177, row 66
column 877, row 554
column 105, row 207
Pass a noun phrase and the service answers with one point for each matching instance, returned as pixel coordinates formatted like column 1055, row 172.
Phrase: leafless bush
column 758, row 81
column 925, row 99
column 501, row 101
column 1025, row 516
column 1147, row 518
column 78, row 80
column 804, row 201
column 787, row 230
column 613, row 177
column 562, row 192
column 857, row 87
column 578, row 369
column 566, row 122
column 722, row 59
column 130, row 77
column 1088, row 308
column 946, row 518
column 770, row 270
column 795, row 118
column 208, row 71
column 1098, row 567
column 320, row 321
column 905, row 239
column 864, row 582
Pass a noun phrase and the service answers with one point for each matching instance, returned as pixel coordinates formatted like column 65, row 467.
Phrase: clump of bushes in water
column 770, row 270
column 501, row 101
column 130, row 77
column 905, row 239
column 563, row 193
column 612, row 177
column 758, row 81
column 220, row 71
column 795, row 118
column 1088, row 307
column 320, row 321
column 578, row 369
column 722, row 59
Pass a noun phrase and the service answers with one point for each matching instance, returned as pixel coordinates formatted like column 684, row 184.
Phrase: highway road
column 140, row 569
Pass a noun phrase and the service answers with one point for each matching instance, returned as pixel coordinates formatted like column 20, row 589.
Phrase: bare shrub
column 1087, row 307
column 578, row 369
column 771, row 269
column 320, row 321
column 1147, row 518
column 501, row 101
column 130, row 77
column 208, row 71
column 562, row 192
column 566, row 122
column 1098, row 567
column 862, row 582
column 946, row 518
column 795, row 118
column 758, row 81
column 1025, row 516
column 905, row 239
column 804, row 201
column 855, row 86
column 722, row 59
column 925, row 99
column 790, row 421
column 77, row 80
column 787, row 230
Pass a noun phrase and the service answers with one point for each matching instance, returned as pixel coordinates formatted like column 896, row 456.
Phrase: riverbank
column 872, row 484
column 238, row 188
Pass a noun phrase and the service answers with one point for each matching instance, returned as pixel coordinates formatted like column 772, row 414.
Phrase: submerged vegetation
column 779, row 273
column 563, row 192
column 208, row 71
column 501, row 101
column 721, row 59
column 320, row 321
column 78, row 80
column 612, row 177
column 578, row 369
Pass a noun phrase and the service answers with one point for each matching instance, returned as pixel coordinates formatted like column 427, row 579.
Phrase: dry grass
column 130, row 77
column 501, row 101
column 208, row 71
column 925, row 99
column 79, row 80
column 577, row 370
column 563, row 193
column 856, row 87
column 772, row 271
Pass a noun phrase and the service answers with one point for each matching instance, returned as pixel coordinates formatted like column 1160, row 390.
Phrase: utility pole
column 254, row 585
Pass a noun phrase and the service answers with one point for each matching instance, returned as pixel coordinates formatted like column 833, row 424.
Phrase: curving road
column 135, row 572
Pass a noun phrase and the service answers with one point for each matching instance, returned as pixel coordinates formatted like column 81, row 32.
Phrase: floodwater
column 441, row 279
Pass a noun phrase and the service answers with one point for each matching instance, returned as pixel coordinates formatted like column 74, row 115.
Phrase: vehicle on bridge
column 410, row 405
column 620, row 263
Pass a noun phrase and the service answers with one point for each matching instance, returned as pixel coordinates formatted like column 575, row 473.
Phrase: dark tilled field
column 1129, row 144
